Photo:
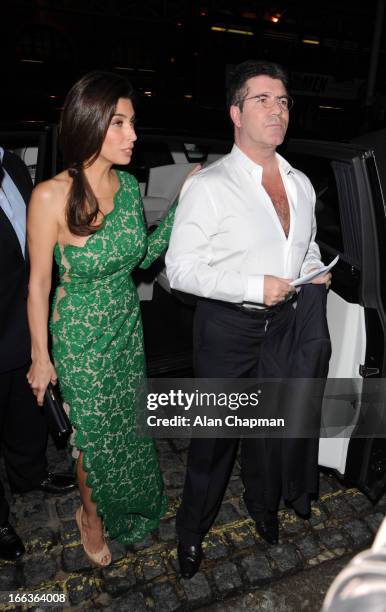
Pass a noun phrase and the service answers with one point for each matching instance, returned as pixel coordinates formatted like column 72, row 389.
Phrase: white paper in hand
column 307, row 278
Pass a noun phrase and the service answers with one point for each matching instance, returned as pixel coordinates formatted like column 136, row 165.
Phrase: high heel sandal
column 102, row 558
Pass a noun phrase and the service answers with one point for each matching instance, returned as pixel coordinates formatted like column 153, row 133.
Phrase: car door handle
column 365, row 371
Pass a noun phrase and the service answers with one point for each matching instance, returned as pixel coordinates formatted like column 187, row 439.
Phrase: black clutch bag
column 58, row 422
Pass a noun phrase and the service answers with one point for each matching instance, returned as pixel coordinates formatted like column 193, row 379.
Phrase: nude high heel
column 100, row 558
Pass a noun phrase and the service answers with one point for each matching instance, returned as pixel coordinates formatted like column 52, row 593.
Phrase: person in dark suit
column 23, row 429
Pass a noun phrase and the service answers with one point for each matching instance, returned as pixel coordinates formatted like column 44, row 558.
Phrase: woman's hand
column 192, row 172
column 38, row 376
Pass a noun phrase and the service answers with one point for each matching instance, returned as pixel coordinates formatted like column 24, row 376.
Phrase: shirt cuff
column 255, row 289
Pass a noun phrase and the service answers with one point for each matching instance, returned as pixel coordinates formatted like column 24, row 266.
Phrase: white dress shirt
column 227, row 235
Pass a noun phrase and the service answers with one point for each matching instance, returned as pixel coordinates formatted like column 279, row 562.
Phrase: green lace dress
column 99, row 357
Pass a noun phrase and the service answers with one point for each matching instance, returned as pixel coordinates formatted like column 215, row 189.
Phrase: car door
column 351, row 223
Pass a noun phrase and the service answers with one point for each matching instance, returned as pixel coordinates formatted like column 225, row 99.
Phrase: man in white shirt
column 244, row 228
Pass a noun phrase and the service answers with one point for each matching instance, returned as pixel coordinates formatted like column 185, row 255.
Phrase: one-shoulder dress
column 99, row 357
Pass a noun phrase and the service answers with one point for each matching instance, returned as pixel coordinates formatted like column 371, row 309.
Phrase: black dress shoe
column 11, row 546
column 189, row 558
column 268, row 529
column 57, row 483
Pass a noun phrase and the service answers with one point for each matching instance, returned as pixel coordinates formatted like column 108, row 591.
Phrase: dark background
column 179, row 63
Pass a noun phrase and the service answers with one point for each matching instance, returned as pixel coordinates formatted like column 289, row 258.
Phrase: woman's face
column 119, row 141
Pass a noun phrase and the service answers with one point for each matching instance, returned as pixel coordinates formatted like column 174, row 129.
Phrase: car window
column 205, row 153
column 148, row 154
column 36, row 147
column 322, row 174
column 195, row 152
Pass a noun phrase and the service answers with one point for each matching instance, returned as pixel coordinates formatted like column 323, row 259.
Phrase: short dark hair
column 236, row 88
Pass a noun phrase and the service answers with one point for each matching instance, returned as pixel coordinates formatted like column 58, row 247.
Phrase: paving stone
column 167, row 530
column 359, row 533
column 257, row 568
column 226, row 577
column 318, row 515
column 181, row 443
column 163, row 446
column 118, row 551
column 359, row 502
column 33, row 512
column 197, row 589
column 328, row 483
column 374, row 521
column 214, row 548
column 165, row 598
column 174, row 561
column 227, row 514
column 42, row 568
column 241, row 537
column 173, row 478
column 153, row 566
column 55, row 608
column 325, row 485
column 31, row 499
column 236, row 469
column 169, row 461
column 40, row 540
column 146, row 543
column 292, row 524
column 118, row 579
column 308, row 547
column 337, row 507
column 69, row 533
column 81, row 588
column 74, row 559
column 285, row 557
column 133, row 602
column 66, row 508
column 236, row 487
column 10, row 577
column 333, row 538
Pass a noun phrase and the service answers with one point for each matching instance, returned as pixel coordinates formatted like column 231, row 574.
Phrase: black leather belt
column 266, row 312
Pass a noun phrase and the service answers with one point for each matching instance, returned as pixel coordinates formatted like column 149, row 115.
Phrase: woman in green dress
column 90, row 217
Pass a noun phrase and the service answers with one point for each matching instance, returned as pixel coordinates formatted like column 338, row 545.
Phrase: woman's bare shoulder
column 50, row 197
column 56, row 188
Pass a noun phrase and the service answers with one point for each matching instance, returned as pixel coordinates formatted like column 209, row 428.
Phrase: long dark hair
column 88, row 109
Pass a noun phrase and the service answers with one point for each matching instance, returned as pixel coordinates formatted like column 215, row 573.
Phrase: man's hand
column 276, row 289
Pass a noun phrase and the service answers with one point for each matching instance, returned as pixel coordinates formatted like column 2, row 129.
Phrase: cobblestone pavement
column 239, row 572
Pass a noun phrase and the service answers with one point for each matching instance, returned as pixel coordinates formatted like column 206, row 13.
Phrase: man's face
column 257, row 127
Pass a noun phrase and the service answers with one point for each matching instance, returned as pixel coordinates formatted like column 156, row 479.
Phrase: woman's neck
column 101, row 177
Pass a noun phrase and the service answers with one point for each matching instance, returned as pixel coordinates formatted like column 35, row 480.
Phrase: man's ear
column 235, row 114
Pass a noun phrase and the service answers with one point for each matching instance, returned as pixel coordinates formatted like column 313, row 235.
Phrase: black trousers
column 23, row 436
column 227, row 344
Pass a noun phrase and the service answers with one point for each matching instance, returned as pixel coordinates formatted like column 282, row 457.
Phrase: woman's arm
column 158, row 241
column 42, row 230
